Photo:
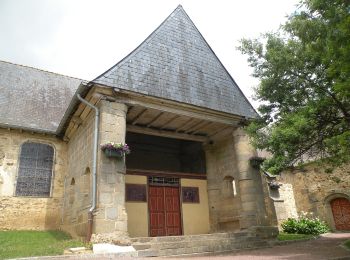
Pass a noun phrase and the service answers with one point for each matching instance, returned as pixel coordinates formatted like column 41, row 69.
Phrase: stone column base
column 264, row 232
column 116, row 238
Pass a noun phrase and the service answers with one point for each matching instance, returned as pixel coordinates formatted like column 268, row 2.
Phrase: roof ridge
column 30, row 67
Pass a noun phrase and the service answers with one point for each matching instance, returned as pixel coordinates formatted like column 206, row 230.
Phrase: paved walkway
column 326, row 247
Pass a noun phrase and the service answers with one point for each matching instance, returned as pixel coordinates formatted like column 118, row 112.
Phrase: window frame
column 52, row 169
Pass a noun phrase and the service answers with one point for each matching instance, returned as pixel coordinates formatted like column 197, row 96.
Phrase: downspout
column 94, row 168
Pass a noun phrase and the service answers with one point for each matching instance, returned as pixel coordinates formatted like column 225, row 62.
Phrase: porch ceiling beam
column 168, row 122
column 222, row 131
column 134, row 121
column 186, row 124
column 194, row 127
column 155, row 119
column 202, row 114
column 129, row 110
column 201, row 127
column 165, row 133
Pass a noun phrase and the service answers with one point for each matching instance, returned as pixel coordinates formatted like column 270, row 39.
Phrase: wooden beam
column 184, row 110
column 165, row 133
column 201, row 127
column 194, row 127
column 187, row 175
column 187, row 123
column 168, row 122
column 155, row 119
column 136, row 118
column 223, row 131
column 129, row 109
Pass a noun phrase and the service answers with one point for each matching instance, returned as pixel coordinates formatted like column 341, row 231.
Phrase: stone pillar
column 110, row 214
column 253, row 210
column 213, row 188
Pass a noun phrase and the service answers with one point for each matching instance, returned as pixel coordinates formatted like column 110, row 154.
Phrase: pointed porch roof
column 176, row 63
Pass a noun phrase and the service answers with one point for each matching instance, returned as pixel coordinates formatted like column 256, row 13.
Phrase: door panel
column 164, row 208
column 341, row 213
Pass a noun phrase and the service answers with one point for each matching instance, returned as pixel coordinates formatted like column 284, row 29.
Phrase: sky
column 84, row 38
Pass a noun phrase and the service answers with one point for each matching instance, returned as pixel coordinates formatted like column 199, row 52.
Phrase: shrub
column 305, row 225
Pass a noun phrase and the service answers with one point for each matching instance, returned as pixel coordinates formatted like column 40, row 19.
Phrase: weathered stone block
column 111, row 213
column 105, row 198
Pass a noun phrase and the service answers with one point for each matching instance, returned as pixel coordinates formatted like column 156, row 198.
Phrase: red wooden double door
column 341, row 213
column 164, row 211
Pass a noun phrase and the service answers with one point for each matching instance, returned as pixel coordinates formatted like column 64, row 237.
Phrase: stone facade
column 45, row 213
column 184, row 94
column 77, row 197
column 311, row 191
column 111, row 213
column 235, row 189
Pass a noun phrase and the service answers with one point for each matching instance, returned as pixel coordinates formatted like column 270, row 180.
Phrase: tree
column 304, row 90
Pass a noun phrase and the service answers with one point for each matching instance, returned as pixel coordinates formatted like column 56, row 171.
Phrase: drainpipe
column 94, row 168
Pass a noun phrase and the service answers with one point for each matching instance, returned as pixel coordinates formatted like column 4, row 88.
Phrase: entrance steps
column 197, row 244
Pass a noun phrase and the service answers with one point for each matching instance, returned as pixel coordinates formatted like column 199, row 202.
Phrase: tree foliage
column 304, row 90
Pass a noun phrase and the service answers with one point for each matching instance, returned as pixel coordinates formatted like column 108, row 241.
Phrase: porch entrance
column 341, row 213
column 164, row 207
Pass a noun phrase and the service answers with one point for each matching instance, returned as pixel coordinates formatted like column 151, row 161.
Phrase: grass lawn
column 34, row 243
column 286, row 236
column 347, row 244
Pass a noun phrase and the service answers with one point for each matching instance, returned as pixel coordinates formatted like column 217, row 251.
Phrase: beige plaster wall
column 313, row 188
column 77, row 199
column 196, row 215
column 137, row 211
column 29, row 212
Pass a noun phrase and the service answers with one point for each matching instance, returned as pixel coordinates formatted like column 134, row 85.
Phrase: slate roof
column 33, row 99
column 176, row 63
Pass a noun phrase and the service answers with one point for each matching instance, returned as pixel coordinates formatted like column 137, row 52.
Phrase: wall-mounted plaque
column 135, row 192
column 190, row 194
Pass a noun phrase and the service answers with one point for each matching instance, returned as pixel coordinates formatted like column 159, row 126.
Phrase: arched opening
column 341, row 213
column 86, row 181
column 229, row 187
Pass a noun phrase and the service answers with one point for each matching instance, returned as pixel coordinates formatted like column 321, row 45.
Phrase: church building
column 179, row 111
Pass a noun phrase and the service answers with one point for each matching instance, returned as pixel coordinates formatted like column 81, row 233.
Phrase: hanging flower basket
column 115, row 150
column 274, row 185
column 256, row 161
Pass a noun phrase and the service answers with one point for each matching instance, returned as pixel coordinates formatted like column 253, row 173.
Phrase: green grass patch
column 347, row 244
column 34, row 243
column 287, row 237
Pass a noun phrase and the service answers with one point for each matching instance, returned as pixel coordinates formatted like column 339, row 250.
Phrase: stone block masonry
column 29, row 213
column 311, row 190
column 111, row 214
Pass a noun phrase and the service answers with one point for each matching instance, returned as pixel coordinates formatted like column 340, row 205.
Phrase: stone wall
column 224, row 201
column 110, row 216
column 236, row 191
column 77, row 199
column 30, row 212
column 312, row 189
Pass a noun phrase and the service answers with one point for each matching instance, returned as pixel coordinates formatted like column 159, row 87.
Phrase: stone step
column 215, row 246
column 203, row 242
column 189, row 237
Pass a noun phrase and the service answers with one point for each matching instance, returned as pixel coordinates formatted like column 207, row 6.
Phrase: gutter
column 94, row 168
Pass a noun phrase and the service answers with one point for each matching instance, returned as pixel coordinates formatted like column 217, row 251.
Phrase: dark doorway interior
column 164, row 154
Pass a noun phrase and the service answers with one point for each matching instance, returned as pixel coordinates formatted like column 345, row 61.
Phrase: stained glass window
column 35, row 170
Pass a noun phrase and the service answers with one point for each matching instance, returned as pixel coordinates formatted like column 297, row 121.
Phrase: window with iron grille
column 35, row 170
column 163, row 181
